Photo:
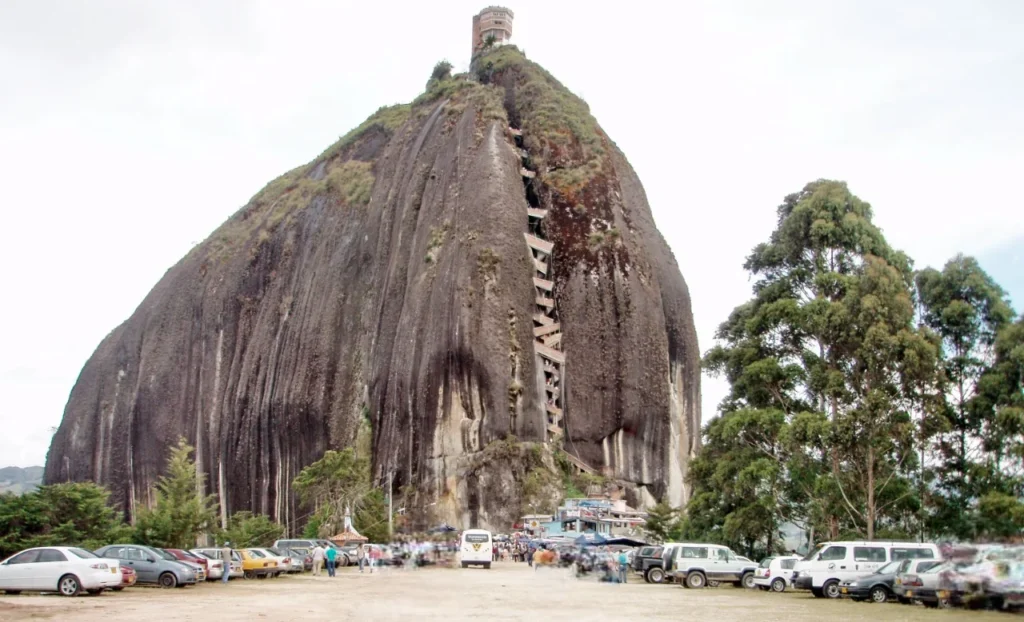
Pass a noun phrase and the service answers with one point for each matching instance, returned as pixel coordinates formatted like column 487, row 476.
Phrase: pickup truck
column 647, row 561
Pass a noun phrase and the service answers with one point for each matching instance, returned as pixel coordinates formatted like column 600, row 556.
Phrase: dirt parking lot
column 508, row 591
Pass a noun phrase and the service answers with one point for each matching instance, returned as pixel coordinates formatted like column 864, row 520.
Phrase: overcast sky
column 130, row 130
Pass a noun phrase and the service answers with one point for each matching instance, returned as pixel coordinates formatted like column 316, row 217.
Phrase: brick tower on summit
column 494, row 21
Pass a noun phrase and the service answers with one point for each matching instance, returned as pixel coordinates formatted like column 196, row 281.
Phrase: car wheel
column 779, row 585
column 656, row 575
column 695, row 580
column 261, row 576
column 716, row 584
column 249, row 574
column 647, row 578
column 344, row 561
column 168, row 579
column 12, row 592
column 748, row 580
column 817, row 592
column 487, row 566
column 464, row 564
column 879, row 594
column 69, row 585
column 831, row 589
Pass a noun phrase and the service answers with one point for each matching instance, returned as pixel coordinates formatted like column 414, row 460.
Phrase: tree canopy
column 845, row 371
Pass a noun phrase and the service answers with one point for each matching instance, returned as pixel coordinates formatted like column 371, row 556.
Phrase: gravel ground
column 508, row 591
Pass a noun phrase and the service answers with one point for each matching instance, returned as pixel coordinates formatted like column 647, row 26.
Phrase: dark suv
column 648, row 562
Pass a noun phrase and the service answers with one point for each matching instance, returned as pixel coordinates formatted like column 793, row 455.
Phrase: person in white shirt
column 318, row 560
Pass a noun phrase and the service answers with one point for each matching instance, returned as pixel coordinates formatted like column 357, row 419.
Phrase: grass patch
column 437, row 236
column 487, row 262
column 388, row 118
column 352, row 181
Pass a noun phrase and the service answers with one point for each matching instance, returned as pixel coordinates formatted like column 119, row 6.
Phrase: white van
column 477, row 548
column 831, row 563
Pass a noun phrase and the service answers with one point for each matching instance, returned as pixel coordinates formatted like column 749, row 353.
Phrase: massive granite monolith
column 392, row 278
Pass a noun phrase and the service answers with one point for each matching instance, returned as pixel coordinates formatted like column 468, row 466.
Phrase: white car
column 214, row 554
column 775, row 573
column 68, row 570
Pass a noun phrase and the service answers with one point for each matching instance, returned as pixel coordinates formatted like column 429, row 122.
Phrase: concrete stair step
column 546, row 329
column 538, row 244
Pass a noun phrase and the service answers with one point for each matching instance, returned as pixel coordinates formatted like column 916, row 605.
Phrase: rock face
column 390, row 278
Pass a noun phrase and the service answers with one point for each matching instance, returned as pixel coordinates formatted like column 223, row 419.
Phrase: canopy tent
column 442, row 528
column 591, row 538
column 626, row 542
column 348, row 536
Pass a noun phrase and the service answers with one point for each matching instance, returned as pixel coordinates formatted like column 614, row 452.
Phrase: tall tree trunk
column 871, row 492
column 833, row 519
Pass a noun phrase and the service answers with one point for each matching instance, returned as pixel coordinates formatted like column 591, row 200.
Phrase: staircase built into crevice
column 547, row 331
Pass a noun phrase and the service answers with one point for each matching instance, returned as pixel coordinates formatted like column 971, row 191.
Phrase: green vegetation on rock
column 352, row 180
column 563, row 138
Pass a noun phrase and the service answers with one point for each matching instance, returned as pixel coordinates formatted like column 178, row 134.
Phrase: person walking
column 318, row 560
column 361, row 556
column 623, row 566
column 374, row 556
column 331, row 554
column 225, row 556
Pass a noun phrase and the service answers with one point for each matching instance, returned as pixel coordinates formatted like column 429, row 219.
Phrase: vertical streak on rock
column 214, row 423
column 198, row 443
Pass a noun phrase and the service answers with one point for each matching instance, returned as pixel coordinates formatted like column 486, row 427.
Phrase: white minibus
column 477, row 548
column 831, row 563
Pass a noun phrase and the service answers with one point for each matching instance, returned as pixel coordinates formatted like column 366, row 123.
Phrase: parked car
column 291, row 564
column 304, row 554
column 128, row 578
column 879, row 587
column 775, row 573
column 151, row 566
column 235, row 564
column 696, row 565
column 923, row 587
column 831, row 563
column 196, row 567
column 298, row 558
column 257, row 565
column 346, row 554
column 214, row 569
column 648, row 563
column 64, row 569
column 283, row 564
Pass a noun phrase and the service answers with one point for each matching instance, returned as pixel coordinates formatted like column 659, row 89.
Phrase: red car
column 189, row 556
column 128, row 578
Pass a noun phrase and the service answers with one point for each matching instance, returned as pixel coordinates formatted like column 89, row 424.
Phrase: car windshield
column 256, row 553
column 814, row 552
column 889, row 568
column 767, row 561
column 277, row 551
column 82, row 553
column 937, row 568
column 165, row 555
column 206, row 555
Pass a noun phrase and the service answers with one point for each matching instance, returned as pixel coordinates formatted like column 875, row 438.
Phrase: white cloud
column 128, row 131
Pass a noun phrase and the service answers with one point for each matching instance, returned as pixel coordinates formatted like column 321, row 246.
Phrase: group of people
column 611, row 566
column 325, row 556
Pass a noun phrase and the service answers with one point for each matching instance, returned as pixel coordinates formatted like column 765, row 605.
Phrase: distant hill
column 19, row 480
